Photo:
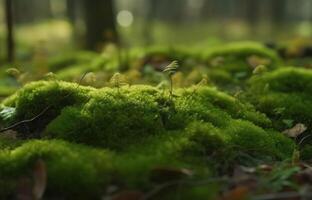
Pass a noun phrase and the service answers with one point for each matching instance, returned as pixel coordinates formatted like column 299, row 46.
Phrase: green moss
column 7, row 142
column 116, row 118
column 242, row 50
column 7, row 90
column 211, row 105
column 204, row 139
column 200, row 128
column 284, row 94
column 70, row 168
column 233, row 63
column 240, row 137
column 74, row 169
column 51, row 96
column 111, row 118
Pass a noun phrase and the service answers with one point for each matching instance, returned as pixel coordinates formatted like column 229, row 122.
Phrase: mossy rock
column 284, row 95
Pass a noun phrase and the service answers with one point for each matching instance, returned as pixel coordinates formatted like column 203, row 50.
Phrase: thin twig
column 25, row 121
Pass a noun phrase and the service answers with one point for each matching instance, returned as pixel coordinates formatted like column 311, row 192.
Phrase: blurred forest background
column 56, row 26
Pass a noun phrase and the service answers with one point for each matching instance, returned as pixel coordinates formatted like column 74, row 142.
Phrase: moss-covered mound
column 232, row 63
column 112, row 117
column 142, row 131
column 70, row 168
column 284, row 95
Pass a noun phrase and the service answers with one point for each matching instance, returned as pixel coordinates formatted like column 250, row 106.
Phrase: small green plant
column 117, row 81
column 171, row 69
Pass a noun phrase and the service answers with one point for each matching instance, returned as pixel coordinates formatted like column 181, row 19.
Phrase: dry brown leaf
column 265, row 168
column 304, row 177
column 296, row 130
column 244, row 176
column 40, row 179
column 11, row 134
column 238, row 193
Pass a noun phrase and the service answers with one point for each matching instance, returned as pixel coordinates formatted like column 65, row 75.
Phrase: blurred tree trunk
column 171, row 11
column 149, row 22
column 30, row 10
column 71, row 6
column 207, row 9
column 278, row 14
column 10, row 33
column 252, row 15
column 100, row 23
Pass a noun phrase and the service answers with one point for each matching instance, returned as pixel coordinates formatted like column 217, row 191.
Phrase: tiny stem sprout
column 171, row 69
column 117, row 81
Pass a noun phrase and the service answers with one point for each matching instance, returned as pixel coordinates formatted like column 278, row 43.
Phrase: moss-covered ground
column 237, row 125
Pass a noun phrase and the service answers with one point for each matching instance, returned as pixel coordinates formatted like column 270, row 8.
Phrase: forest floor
column 229, row 123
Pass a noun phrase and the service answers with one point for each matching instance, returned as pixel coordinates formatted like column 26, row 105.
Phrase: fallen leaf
column 10, row 134
column 238, row 193
column 296, row 130
column 265, row 168
column 304, row 176
column 40, row 179
column 244, row 176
